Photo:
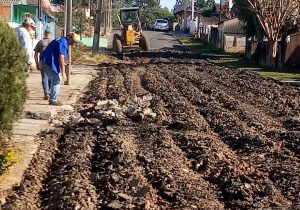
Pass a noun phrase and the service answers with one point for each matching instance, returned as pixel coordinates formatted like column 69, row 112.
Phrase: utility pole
column 184, row 15
column 220, row 16
column 104, row 6
column 66, row 17
column 68, row 31
column 110, row 13
column 193, row 9
column 97, row 27
column 40, row 20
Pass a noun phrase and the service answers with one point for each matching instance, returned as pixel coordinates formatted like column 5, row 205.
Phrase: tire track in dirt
column 264, row 93
column 170, row 172
column 270, row 156
column 26, row 196
column 115, row 86
column 258, row 121
column 97, row 88
column 68, row 184
column 218, row 106
column 279, row 127
column 224, row 128
column 157, row 85
column 120, row 181
column 162, row 180
column 115, row 165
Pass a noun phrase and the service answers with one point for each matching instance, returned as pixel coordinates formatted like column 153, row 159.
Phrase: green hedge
column 13, row 69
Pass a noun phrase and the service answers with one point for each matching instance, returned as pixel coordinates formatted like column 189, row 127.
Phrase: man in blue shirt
column 53, row 62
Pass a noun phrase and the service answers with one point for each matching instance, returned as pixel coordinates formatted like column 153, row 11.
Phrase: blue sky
column 170, row 3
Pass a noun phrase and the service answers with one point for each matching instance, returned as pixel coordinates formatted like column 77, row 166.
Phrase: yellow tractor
column 131, row 35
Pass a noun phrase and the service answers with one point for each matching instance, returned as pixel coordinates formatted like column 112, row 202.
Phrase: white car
column 161, row 25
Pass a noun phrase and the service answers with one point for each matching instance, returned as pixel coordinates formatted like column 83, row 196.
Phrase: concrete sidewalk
column 36, row 116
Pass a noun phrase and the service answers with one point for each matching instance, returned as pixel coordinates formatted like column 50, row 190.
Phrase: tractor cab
column 131, row 31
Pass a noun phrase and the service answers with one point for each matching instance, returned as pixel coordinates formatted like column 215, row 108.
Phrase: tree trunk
column 259, row 37
column 272, row 52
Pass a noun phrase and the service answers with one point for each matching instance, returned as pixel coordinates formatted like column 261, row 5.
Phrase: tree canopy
column 149, row 10
column 205, row 7
column 274, row 17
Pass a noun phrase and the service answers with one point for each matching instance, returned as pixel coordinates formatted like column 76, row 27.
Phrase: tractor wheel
column 144, row 43
column 117, row 44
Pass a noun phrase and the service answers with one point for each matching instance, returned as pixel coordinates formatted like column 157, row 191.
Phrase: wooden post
column 193, row 9
column 66, row 17
column 184, row 15
column 68, row 31
column 220, row 17
column 97, row 27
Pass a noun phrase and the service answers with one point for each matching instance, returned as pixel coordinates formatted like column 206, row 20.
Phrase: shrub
column 8, row 157
column 12, row 79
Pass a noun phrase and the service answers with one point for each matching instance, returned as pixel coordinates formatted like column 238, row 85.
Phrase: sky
column 170, row 3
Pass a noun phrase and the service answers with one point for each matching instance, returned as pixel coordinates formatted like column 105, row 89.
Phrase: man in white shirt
column 26, row 40
column 193, row 28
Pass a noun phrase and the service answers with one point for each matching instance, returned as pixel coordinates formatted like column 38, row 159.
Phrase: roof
column 129, row 8
column 178, row 8
column 233, row 26
column 46, row 4
column 212, row 20
column 9, row 1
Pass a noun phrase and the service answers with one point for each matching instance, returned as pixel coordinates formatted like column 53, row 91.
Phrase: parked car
column 161, row 25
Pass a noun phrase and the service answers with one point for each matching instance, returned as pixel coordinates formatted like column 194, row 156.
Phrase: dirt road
column 171, row 134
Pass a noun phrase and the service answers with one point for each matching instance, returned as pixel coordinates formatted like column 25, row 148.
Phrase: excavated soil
column 170, row 133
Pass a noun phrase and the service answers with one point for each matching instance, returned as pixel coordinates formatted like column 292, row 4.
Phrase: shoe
column 46, row 96
column 55, row 103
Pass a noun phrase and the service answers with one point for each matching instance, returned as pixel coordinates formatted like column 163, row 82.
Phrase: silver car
column 161, row 25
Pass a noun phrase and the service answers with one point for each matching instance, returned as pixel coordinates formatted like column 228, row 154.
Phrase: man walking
column 26, row 40
column 53, row 62
column 39, row 48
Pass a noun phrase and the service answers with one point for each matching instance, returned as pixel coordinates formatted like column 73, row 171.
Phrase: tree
column 210, row 3
column 13, row 67
column 79, row 19
column 149, row 14
column 205, row 7
column 146, row 3
column 272, row 15
column 243, row 12
column 200, row 3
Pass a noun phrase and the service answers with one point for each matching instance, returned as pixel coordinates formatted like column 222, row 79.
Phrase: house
column 15, row 11
column 21, row 11
column 232, row 35
column 184, row 16
column 6, row 9
column 205, row 27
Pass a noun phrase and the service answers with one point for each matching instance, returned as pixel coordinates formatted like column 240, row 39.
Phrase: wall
column 234, row 43
column 5, row 12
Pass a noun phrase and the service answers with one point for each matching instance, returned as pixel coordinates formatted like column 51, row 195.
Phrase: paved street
column 158, row 40
column 161, row 40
